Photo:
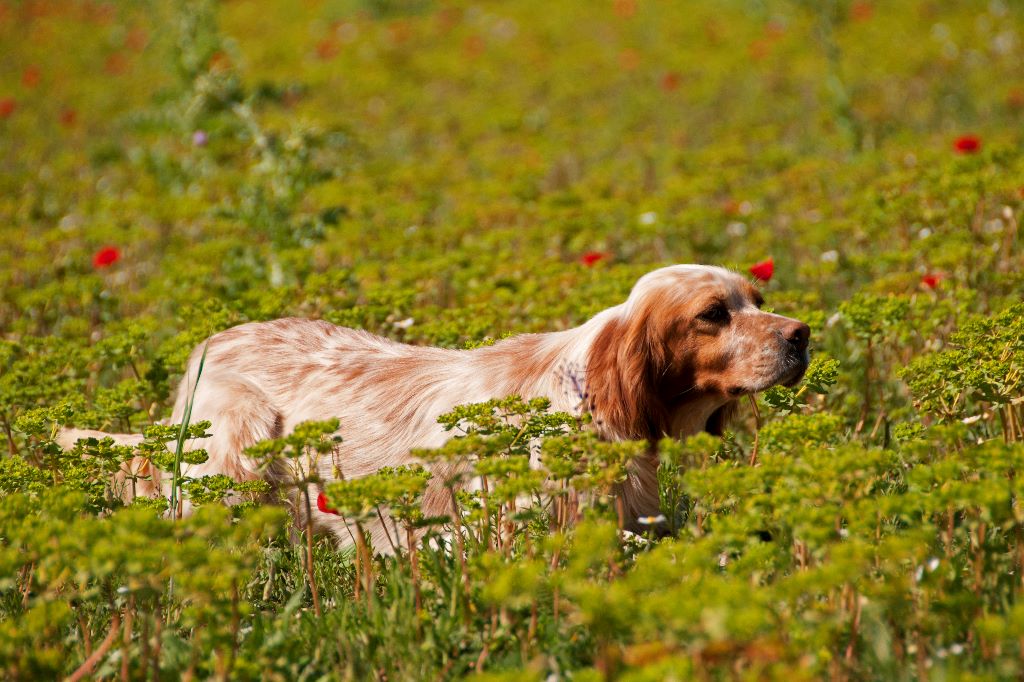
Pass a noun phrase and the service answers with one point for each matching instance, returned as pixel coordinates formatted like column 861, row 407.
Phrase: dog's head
column 688, row 342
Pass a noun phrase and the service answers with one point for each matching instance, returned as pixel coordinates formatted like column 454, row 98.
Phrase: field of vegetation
column 449, row 173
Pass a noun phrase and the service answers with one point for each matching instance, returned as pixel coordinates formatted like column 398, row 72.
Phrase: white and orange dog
column 671, row 360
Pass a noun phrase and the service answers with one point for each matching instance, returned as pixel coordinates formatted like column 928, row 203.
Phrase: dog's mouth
column 790, row 373
column 795, row 376
column 800, row 362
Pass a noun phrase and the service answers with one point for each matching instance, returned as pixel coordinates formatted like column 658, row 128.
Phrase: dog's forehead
column 694, row 281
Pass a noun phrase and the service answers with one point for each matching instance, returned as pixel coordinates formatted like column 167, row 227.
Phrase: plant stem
column 457, row 519
column 387, row 534
column 101, row 651
column 309, row 553
column 11, row 447
column 157, row 634
column 83, row 628
column 235, row 621
column 757, row 431
column 414, row 567
column 363, row 557
column 129, row 618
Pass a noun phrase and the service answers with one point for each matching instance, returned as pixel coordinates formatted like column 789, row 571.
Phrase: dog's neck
column 692, row 417
column 551, row 365
column 554, row 365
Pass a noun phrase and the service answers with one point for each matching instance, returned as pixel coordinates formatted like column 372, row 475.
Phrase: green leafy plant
column 452, row 174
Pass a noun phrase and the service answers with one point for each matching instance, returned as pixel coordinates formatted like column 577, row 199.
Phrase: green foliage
column 797, row 430
column 982, row 368
column 822, row 373
column 435, row 173
column 870, row 316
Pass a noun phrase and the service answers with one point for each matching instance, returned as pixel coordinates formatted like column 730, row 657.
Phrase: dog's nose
column 798, row 334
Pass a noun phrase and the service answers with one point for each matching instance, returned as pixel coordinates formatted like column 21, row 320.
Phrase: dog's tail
column 137, row 476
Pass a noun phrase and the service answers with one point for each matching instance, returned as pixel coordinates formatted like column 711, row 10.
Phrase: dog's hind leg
column 241, row 415
column 137, row 477
column 67, row 438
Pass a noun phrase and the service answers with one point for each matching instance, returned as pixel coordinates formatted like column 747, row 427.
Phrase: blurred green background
column 494, row 167
column 446, row 146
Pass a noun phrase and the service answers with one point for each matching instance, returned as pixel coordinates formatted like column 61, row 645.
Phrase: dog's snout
column 798, row 334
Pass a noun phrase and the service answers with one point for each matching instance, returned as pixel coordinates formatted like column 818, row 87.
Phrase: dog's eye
column 717, row 314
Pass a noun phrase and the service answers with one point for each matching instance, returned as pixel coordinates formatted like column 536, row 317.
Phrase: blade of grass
column 179, row 450
column 182, row 432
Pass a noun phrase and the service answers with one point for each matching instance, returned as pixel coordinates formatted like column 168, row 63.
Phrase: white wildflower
column 736, row 229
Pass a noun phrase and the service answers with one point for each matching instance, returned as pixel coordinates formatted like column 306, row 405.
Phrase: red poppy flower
column 68, row 117
column 774, row 29
column 763, row 270
column 758, row 49
column 591, row 257
column 624, row 8
column 730, row 207
column 967, row 144
column 400, row 31
column 629, row 59
column 106, row 256
column 932, row 279
column 30, row 76
column 321, row 504
column 219, row 61
column 115, row 64
column 136, row 39
column 861, row 11
column 327, row 48
column 100, row 12
column 1015, row 98
column 7, row 106
column 473, row 46
column 670, row 81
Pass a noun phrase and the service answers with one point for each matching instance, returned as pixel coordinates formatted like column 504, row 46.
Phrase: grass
column 451, row 173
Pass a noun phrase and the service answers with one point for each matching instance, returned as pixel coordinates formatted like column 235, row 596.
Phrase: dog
column 672, row 360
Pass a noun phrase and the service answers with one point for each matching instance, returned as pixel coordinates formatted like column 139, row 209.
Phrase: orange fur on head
column 622, row 371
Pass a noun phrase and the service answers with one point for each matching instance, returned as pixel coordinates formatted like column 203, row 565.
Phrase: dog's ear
column 625, row 361
column 720, row 418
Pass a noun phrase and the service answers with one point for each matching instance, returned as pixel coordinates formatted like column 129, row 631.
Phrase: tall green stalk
column 182, row 433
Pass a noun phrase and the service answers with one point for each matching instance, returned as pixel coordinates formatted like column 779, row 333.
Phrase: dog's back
column 259, row 380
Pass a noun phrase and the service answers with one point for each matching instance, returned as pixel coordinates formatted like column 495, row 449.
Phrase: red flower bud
column 861, row 10
column 763, row 270
column 106, row 256
column 967, row 144
column 670, row 81
column 321, row 504
column 327, row 48
column 30, row 76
